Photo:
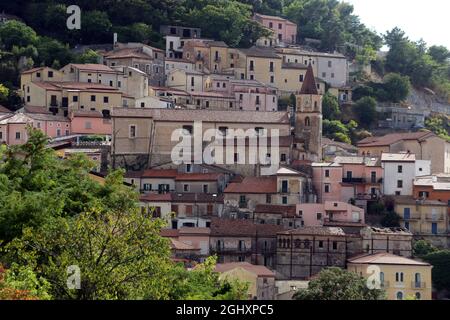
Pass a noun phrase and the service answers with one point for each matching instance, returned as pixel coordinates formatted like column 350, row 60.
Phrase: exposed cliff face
column 426, row 101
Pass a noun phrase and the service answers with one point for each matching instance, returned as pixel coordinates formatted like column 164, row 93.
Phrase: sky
column 428, row 19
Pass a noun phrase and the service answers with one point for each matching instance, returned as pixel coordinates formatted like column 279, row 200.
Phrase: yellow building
column 400, row 277
column 425, row 218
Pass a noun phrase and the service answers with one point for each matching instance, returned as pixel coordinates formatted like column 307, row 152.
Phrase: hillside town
column 279, row 201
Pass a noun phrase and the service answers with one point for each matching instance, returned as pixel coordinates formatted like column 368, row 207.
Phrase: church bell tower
column 308, row 117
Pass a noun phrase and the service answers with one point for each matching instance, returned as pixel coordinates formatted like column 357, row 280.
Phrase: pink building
column 90, row 122
column 13, row 128
column 284, row 30
column 358, row 178
column 330, row 212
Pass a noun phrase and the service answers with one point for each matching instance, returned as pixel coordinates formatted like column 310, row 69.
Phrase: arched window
column 280, row 243
column 284, row 243
column 399, row 295
column 382, row 278
column 307, row 122
column 399, row 276
column 418, row 280
column 307, row 244
column 298, row 243
column 288, row 243
column 418, row 296
column 315, row 105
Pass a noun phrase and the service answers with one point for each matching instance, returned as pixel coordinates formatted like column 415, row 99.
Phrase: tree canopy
column 338, row 284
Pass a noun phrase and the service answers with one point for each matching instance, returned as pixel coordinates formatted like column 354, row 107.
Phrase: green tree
column 439, row 54
column 15, row 33
column 397, row 86
column 338, row 284
column 335, row 129
column 95, row 27
column 4, row 94
column 330, row 107
column 390, row 220
column 365, row 109
column 440, row 260
column 422, row 248
column 89, row 56
column 440, row 125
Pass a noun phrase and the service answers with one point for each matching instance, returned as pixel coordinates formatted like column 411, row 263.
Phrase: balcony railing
column 418, row 285
column 434, row 217
column 222, row 250
column 354, row 180
column 411, row 217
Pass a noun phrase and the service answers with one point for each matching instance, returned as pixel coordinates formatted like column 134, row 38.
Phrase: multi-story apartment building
column 283, row 30
column 426, row 219
column 235, row 240
column 425, row 145
column 139, row 56
column 401, row 278
column 433, row 187
column 329, row 67
column 399, row 171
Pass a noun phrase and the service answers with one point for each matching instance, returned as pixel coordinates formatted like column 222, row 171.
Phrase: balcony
column 222, row 250
column 354, row 180
column 418, row 285
column 410, row 217
column 434, row 217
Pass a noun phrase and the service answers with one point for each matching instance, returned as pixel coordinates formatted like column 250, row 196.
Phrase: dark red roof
column 160, row 173
column 254, row 185
column 198, row 176
column 309, row 84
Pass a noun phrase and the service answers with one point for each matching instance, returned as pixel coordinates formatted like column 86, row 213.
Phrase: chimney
column 115, row 39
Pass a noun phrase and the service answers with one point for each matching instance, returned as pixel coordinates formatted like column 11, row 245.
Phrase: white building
column 400, row 170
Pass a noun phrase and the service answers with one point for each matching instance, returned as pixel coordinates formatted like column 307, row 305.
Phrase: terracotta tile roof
column 93, row 67
column 32, row 70
column 35, row 109
column 309, row 84
column 87, row 114
column 260, row 271
column 254, row 185
column 133, row 174
column 156, row 197
column 321, row 231
column 187, row 231
column 393, row 138
column 242, row 228
column 286, row 211
column 411, row 201
column 160, row 173
column 265, row 16
column 385, row 258
column 260, row 52
column 169, row 233
column 53, row 85
column 187, row 115
column 198, row 176
column 127, row 53
column 398, row 157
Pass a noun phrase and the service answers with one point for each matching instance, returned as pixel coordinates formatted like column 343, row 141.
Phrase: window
column 399, row 295
column 270, row 25
column 1, row 135
column 185, row 187
column 38, row 75
column 252, row 77
column 335, row 245
column 17, row 135
column 75, row 99
column 418, row 296
column 93, row 98
column 205, row 188
column 105, row 99
column 242, row 199
column 327, row 188
column 324, row 74
column 399, row 277
column 236, row 157
column 132, row 132
column 188, row 168
column 259, row 130
column 119, row 84
column 271, row 66
column 147, row 186
column 399, row 183
column 283, row 157
column 400, row 169
column 307, row 122
column 300, row 78
column 142, row 104
column 252, row 65
column 272, row 79
column 417, row 280
column 258, row 102
column 319, row 215
column 381, row 278
column 58, row 132
column 280, row 26
column 50, row 74
column 268, row 198
column 327, row 173
column 110, row 83
column 284, row 200
column 330, row 64
column 320, row 244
